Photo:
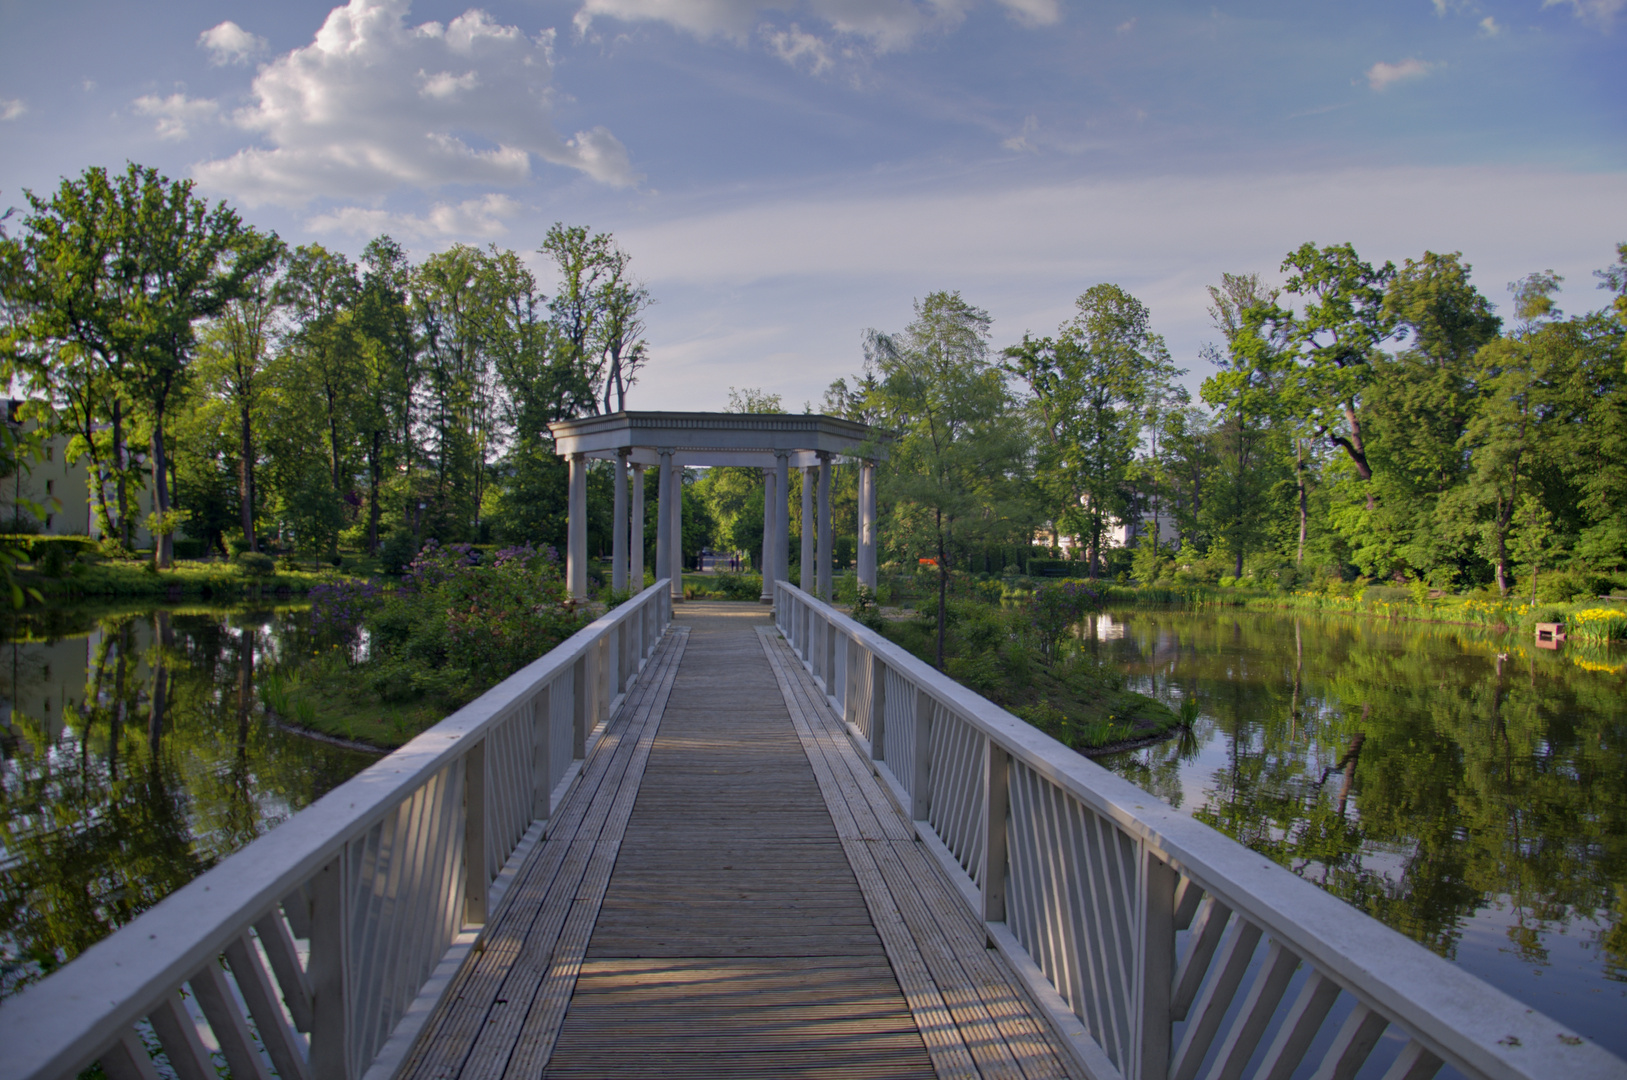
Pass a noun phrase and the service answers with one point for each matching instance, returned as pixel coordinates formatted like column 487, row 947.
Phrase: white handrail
column 1161, row 947
column 388, row 879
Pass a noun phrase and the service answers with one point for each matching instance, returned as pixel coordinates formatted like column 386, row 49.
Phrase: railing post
column 829, row 652
column 579, row 707
column 328, row 970
column 1157, row 955
column 601, row 681
column 542, row 748
column 996, row 777
column 921, row 782
column 878, row 708
column 476, row 875
column 850, row 685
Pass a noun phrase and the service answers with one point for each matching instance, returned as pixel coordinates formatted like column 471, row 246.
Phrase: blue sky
column 786, row 175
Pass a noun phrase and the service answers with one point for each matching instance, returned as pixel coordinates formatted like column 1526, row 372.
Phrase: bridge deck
column 728, row 891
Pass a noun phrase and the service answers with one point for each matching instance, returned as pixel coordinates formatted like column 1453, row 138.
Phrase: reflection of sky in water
column 1564, row 982
column 1556, row 966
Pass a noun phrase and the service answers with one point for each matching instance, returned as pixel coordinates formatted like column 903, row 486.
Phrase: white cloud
column 229, row 43
column 471, row 219
column 801, row 277
column 1126, row 26
column 884, row 25
column 373, row 104
column 1382, row 75
column 794, row 46
column 1602, row 12
column 1034, row 12
column 12, row 108
column 1490, row 27
column 1020, row 142
column 176, row 114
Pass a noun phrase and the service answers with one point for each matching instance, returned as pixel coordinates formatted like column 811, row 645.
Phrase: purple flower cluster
column 338, row 610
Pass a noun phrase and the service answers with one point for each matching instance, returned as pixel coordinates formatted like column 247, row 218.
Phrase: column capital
column 824, row 455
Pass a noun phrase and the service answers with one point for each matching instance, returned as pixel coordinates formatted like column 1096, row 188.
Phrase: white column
column 782, row 519
column 770, row 539
column 677, row 555
column 808, row 531
column 867, row 524
column 576, row 547
column 663, row 517
column 824, row 527
column 618, row 527
column 635, row 562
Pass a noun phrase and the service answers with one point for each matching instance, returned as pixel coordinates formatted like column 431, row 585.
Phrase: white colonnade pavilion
column 669, row 442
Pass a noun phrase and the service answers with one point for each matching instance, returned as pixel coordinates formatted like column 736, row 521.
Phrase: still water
column 1468, row 790
column 135, row 756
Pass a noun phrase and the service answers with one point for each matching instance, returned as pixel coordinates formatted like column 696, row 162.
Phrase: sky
column 787, row 174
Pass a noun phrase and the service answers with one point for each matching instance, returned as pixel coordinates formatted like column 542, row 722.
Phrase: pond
column 135, row 756
column 1468, row 790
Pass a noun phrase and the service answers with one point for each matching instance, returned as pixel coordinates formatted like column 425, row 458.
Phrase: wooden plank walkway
column 729, row 892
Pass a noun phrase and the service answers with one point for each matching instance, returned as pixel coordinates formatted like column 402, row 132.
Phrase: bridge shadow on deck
column 695, row 910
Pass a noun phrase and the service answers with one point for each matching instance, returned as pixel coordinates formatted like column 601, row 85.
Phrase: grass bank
column 322, row 693
column 382, row 665
column 138, row 578
column 1066, row 694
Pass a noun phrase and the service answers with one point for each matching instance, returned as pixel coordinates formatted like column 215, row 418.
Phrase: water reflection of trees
column 162, row 766
column 1421, row 773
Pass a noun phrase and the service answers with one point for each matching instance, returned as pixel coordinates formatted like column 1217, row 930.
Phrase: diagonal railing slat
column 1160, row 946
column 388, row 879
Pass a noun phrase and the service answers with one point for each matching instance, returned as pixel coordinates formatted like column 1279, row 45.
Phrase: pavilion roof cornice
column 730, row 438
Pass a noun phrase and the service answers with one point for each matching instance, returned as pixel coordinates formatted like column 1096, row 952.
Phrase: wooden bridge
column 715, row 845
column 729, row 892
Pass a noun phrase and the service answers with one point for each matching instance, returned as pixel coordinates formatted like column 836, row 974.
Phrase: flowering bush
column 338, row 609
column 1599, row 624
column 458, row 624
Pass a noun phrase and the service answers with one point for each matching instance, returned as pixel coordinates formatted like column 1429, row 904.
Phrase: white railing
column 319, row 950
column 1162, row 949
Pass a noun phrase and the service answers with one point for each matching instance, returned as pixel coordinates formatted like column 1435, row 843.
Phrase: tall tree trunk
column 245, row 478
column 1299, row 477
column 943, row 581
column 375, row 473
column 119, row 462
column 102, row 513
column 163, row 544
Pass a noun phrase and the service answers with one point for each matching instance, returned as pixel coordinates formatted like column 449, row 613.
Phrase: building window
column 48, row 518
column 50, row 452
column 50, row 487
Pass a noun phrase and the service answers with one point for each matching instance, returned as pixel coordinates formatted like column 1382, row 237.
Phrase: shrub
column 1057, row 568
column 1057, row 607
column 397, row 551
column 255, row 564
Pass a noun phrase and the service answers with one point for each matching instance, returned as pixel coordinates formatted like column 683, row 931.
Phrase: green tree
column 179, row 261
column 1090, row 386
column 1334, row 339
column 1419, row 404
column 388, row 360
column 321, row 289
column 954, row 473
column 1246, row 392
column 1506, row 438
column 232, row 362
